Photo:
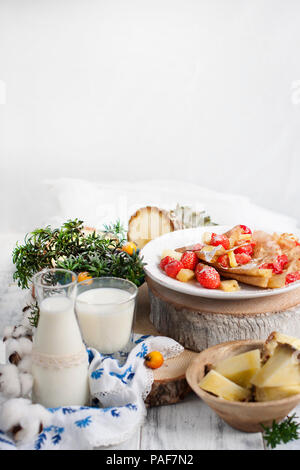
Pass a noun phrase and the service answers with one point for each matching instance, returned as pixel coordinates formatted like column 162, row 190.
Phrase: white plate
column 152, row 255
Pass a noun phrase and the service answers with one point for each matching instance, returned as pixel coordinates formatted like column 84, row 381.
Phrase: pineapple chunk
column 229, row 286
column 174, row 254
column 215, row 383
column 281, row 369
column 185, row 275
column 232, row 260
column 240, row 368
column 275, row 393
column 206, row 237
column 211, row 253
column 276, row 339
column 245, row 236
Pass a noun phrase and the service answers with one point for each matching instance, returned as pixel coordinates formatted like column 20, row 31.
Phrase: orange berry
column 84, row 276
column 154, row 360
column 129, row 248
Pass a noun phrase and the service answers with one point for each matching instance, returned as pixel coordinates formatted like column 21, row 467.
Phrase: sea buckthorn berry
column 129, row 248
column 154, row 360
column 84, row 276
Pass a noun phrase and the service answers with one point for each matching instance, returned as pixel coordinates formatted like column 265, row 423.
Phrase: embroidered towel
column 118, row 393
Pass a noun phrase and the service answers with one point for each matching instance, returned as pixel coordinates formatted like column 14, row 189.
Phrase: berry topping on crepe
column 245, row 229
column 248, row 249
column 223, row 261
column 278, row 265
column 292, row 277
column 242, row 258
column 217, row 240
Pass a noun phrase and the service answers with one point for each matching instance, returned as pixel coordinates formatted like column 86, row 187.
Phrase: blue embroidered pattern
column 40, row 441
column 143, row 351
column 96, row 374
column 115, row 413
column 6, row 441
column 84, row 423
column 90, row 355
column 141, row 339
column 42, row 438
column 128, row 374
column 67, row 411
column 131, row 406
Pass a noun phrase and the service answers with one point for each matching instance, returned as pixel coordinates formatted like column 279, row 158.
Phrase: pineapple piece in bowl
column 215, row 383
column 240, row 368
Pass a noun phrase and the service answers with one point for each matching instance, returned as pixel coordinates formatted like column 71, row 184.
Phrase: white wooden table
column 188, row 425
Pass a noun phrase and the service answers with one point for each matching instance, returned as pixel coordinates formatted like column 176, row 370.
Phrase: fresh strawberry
column 173, row 268
column 199, row 268
column 220, row 240
column 245, row 229
column 223, row 261
column 189, row 260
column 277, row 266
column 209, row 278
column 266, row 266
column 166, row 260
column 242, row 258
column 248, row 249
column 281, row 262
column 292, row 277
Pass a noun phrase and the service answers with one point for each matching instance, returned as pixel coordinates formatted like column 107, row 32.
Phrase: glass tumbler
column 105, row 309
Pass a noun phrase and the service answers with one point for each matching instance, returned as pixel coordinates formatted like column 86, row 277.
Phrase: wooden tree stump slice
column 198, row 323
column 170, row 385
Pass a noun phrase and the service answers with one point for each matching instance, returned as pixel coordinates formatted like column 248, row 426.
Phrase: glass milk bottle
column 59, row 357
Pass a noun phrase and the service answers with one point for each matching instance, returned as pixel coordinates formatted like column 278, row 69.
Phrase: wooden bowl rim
column 235, row 404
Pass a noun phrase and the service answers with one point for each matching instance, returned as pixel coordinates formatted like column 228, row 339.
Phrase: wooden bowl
column 244, row 416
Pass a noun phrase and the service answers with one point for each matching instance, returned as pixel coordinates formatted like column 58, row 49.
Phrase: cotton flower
column 24, row 420
column 7, row 333
column 25, row 364
column 20, row 331
column 26, row 322
column 10, row 385
column 16, row 349
column 26, row 382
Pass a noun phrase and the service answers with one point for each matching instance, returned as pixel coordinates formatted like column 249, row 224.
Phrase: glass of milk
column 105, row 309
column 59, row 357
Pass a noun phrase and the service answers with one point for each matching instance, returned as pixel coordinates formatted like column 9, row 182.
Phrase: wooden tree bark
column 170, row 385
column 198, row 323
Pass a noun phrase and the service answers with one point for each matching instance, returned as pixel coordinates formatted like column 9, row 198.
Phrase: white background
column 203, row 91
